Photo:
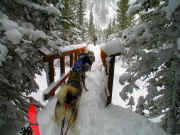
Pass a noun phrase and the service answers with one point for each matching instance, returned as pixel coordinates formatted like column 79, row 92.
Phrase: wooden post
column 83, row 50
column 62, row 64
column 111, row 76
column 76, row 57
column 51, row 71
column 71, row 60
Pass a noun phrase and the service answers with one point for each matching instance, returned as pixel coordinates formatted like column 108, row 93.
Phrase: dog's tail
column 67, row 96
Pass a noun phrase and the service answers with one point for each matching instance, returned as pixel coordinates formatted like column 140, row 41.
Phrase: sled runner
column 66, row 124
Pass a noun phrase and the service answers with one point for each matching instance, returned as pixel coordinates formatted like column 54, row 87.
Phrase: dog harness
column 79, row 66
column 75, row 79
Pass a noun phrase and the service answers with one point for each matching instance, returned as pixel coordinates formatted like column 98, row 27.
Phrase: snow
column 71, row 47
column 93, row 117
column 133, row 9
column 138, row 34
column 49, row 9
column 3, row 53
column 178, row 43
column 33, row 35
column 7, row 24
column 119, row 71
column 157, row 119
column 15, row 33
column 42, row 83
column 10, row 28
column 14, row 36
column 27, row 25
column 135, row 6
column 112, row 47
column 171, row 7
column 124, row 77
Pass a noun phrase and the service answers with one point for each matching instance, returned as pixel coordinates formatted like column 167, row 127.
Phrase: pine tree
column 122, row 19
column 153, row 56
column 81, row 10
column 109, row 30
column 91, row 28
column 22, row 59
column 140, row 105
column 67, row 14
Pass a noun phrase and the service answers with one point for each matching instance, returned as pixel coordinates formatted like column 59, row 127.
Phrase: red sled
column 33, row 120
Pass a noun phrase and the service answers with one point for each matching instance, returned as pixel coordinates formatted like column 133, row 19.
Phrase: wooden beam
column 71, row 60
column 51, row 71
column 51, row 57
column 116, row 54
column 62, row 64
column 111, row 76
column 44, row 51
column 74, row 51
column 53, row 90
column 48, row 57
column 76, row 57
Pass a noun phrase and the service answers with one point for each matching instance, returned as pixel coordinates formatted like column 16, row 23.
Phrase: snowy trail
column 94, row 118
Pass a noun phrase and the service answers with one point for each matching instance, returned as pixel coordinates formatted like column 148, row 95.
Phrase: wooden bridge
column 73, row 53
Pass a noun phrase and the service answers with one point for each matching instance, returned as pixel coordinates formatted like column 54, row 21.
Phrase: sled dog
column 68, row 99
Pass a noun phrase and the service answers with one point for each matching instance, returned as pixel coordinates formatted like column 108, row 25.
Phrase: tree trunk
column 171, row 123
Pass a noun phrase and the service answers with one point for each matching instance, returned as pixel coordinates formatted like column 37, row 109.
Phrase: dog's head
column 89, row 60
column 91, row 56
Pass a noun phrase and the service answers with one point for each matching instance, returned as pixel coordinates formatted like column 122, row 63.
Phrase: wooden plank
column 44, row 51
column 50, row 57
column 62, row 64
column 116, row 54
column 111, row 76
column 76, row 57
column 53, row 90
column 74, row 51
column 83, row 50
column 51, row 71
column 71, row 60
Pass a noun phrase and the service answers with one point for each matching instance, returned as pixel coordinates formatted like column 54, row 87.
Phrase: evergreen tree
column 140, row 105
column 91, row 28
column 122, row 19
column 24, row 29
column 109, row 29
column 67, row 14
column 80, row 15
column 153, row 55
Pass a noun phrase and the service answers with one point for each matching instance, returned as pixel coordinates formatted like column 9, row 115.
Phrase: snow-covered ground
column 93, row 117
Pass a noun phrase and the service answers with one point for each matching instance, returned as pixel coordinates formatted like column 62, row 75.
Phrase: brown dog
column 70, row 94
column 69, row 100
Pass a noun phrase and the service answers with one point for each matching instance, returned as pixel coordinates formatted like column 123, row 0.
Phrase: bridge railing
column 50, row 58
column 73, row 54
